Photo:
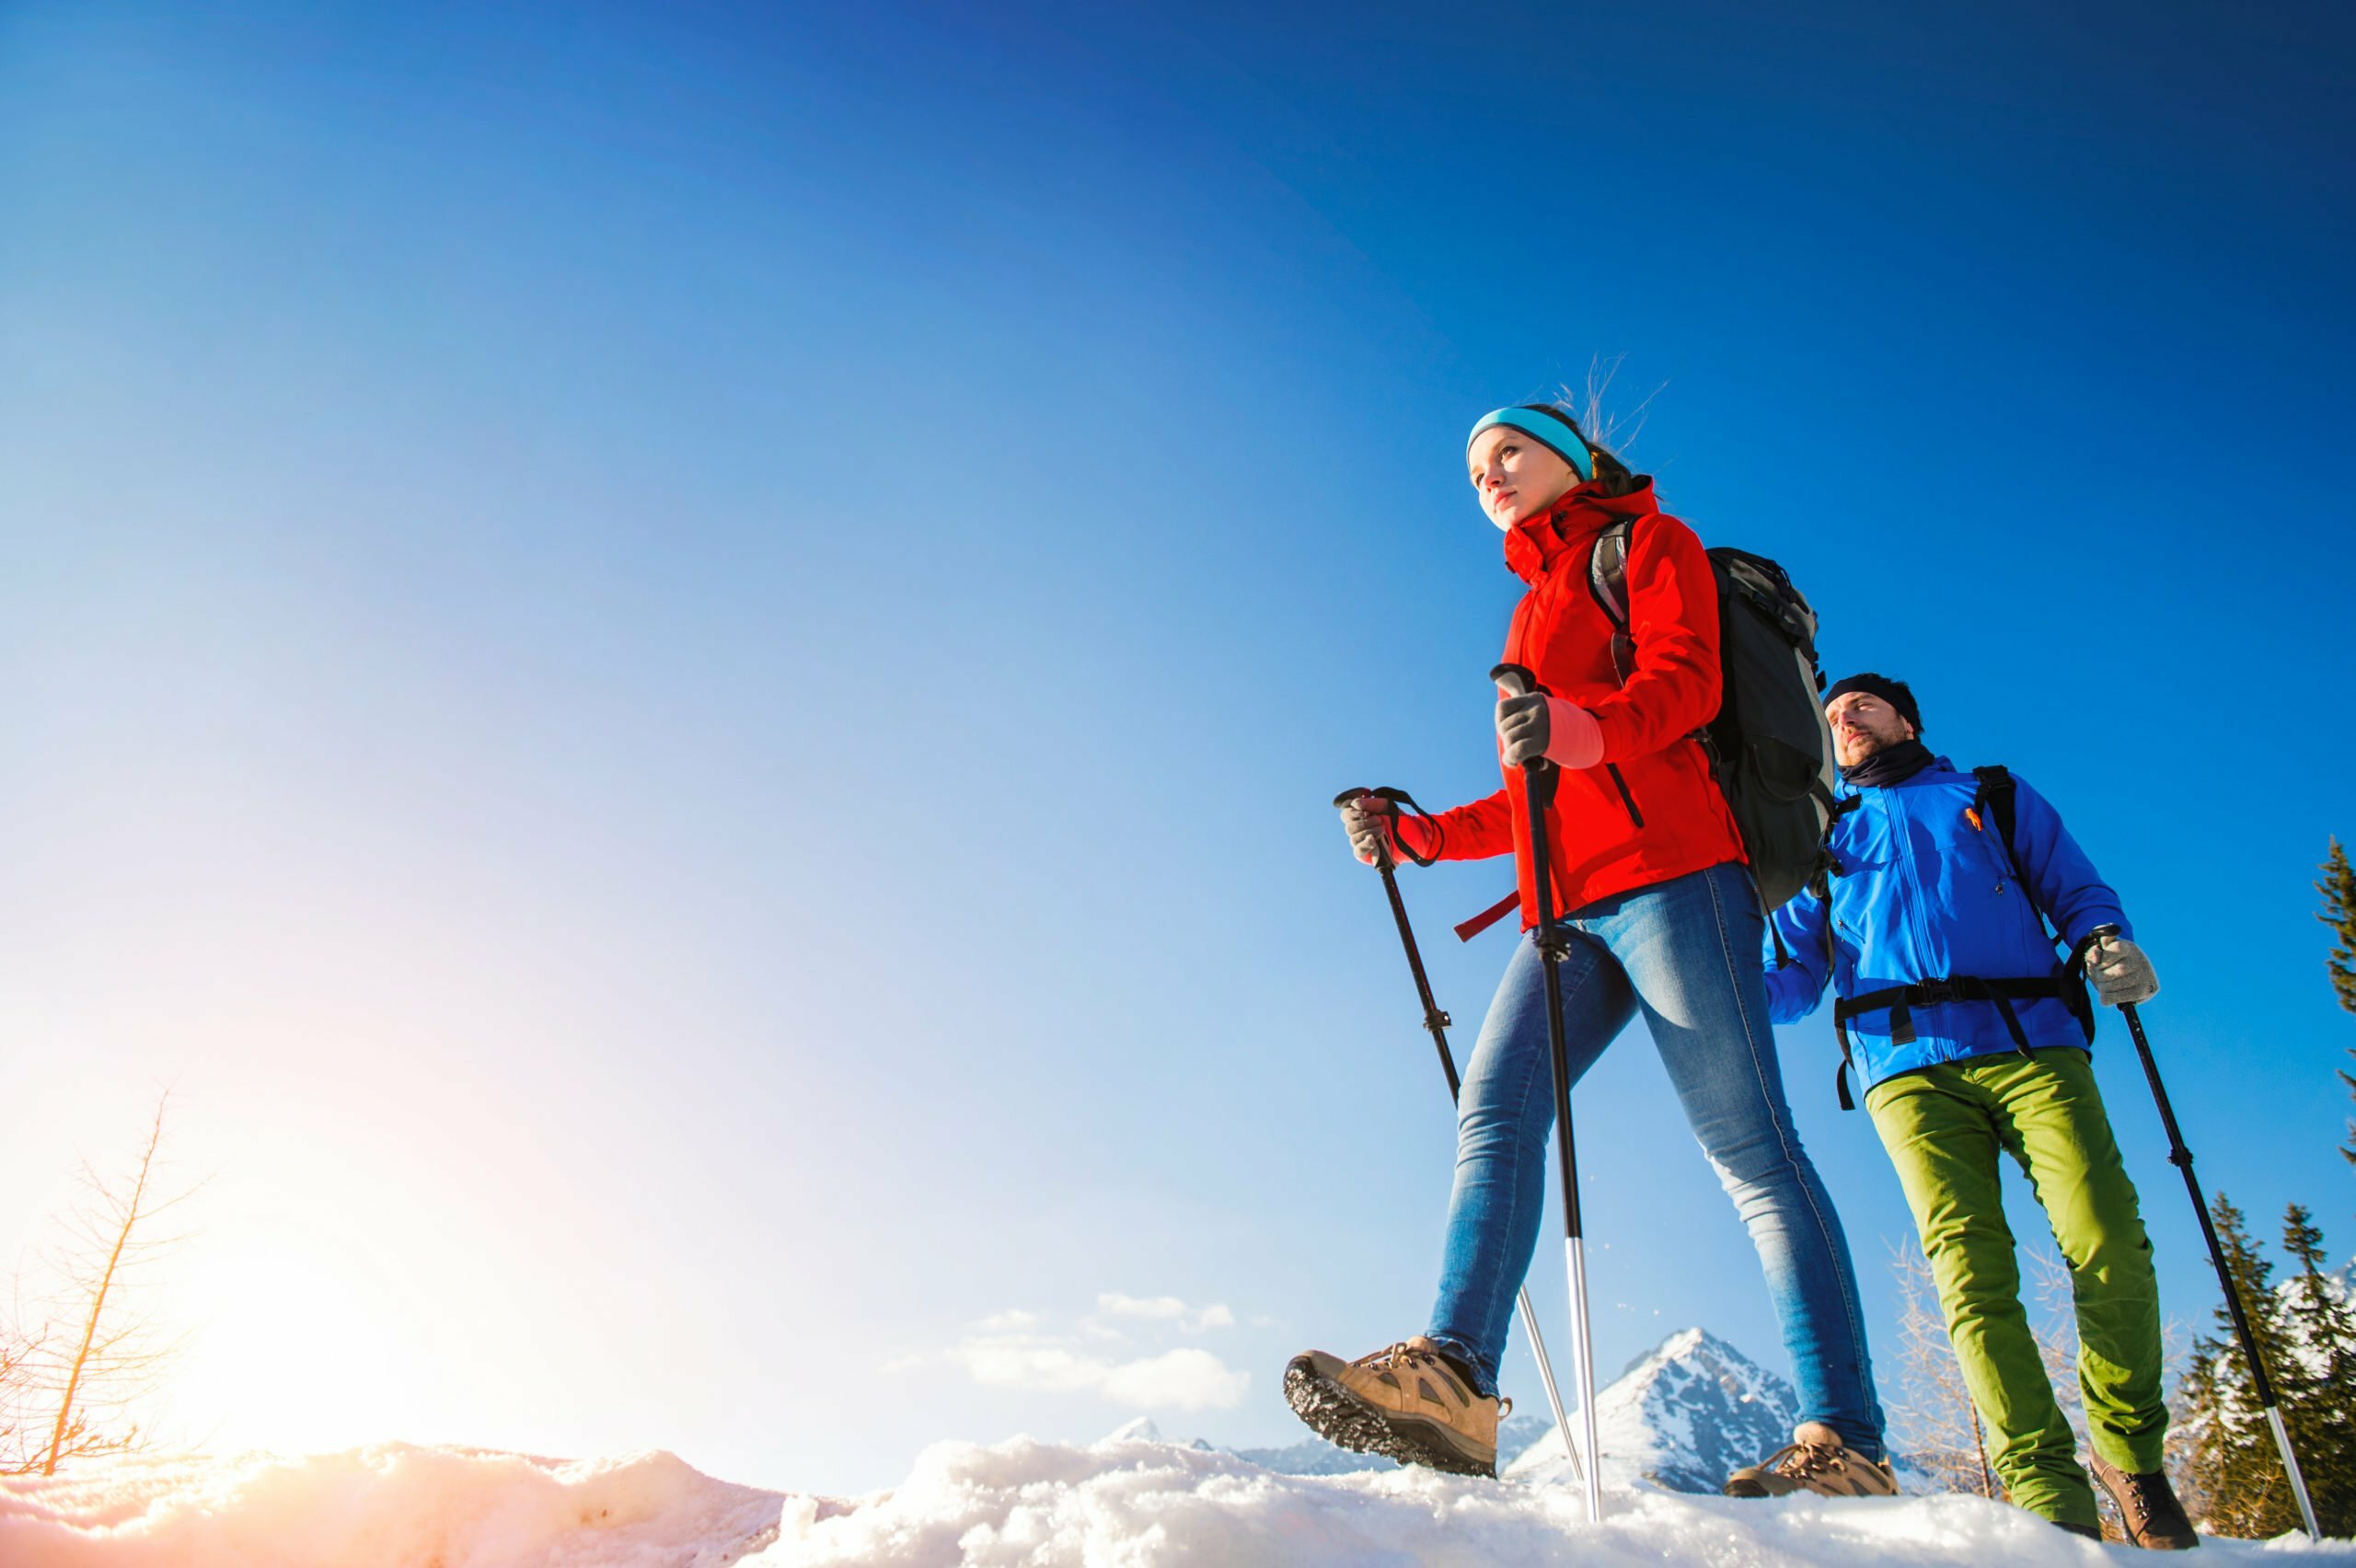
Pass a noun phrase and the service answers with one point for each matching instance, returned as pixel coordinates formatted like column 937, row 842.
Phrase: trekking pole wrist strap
column 1402, row 803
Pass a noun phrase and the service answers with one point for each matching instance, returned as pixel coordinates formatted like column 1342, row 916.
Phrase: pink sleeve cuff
column 1574, row 739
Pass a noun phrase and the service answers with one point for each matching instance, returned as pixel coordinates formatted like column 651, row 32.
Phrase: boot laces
column 1401, row 1355
column 2143, row 1494
column 1405, row 1357
column 1800, row 1460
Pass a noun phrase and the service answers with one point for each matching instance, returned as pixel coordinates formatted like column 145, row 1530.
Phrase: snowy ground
column 1116, row 1505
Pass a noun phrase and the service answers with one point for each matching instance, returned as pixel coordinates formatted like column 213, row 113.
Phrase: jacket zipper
column 1626, row 799
column 1917, row 924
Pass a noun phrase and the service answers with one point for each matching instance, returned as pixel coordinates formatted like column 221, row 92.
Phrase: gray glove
column 1368, row 820
column 2123, row 977
column 1522, row 728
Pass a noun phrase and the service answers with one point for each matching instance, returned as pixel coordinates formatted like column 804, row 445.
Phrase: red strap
column 1489, row 916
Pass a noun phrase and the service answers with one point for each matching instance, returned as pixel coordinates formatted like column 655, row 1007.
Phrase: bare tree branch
column 58, row 1405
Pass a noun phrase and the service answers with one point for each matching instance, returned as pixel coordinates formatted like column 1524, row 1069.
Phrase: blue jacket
column 1926, row 896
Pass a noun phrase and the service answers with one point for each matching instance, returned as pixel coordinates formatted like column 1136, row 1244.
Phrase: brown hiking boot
column 1816, row 1461
column 1407, row 1403
column 2147, row 1506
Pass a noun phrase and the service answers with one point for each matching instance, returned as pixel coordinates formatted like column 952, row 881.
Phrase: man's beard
column 1890, row 762
column 1870, row 744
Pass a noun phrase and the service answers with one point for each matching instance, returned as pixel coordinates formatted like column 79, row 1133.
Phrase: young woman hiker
column 1661, row 918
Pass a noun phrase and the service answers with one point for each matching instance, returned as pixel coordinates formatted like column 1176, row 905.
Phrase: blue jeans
column 1686, row 953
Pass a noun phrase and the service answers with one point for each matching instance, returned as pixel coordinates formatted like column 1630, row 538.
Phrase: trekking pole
column 2181, row 1158
column 1538, row 779
column 1437, row 1021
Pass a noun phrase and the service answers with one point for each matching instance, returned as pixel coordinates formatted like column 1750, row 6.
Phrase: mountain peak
column 1684, row 1342
column 1141, row 1430
column 1681, row 1416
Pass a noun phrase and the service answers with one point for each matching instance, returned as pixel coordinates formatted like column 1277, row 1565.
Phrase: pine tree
column 2318, row 1369
column 2339, row 890
column 2235, row 1479
column 2338, row 912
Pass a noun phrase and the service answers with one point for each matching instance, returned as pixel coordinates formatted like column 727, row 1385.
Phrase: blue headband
column 1547, row 428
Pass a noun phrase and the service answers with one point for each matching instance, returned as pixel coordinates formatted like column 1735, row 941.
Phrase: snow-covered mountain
column 1684, row 1415
column 1143, row 1430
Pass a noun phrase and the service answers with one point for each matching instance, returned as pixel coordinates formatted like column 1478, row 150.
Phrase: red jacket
column 1562, row 635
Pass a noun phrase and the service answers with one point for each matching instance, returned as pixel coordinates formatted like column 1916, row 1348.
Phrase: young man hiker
column 1971, row 1041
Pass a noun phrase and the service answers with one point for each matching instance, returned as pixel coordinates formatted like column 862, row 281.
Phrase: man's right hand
column 2123, row 975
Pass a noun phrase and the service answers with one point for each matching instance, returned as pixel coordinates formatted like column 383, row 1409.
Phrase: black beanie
column 1898, row 694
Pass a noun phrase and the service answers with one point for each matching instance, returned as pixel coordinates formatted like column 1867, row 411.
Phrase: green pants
column 1944, row 1127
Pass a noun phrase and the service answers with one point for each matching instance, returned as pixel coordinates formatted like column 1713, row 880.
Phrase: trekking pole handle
column 1380, row 793
column 1387, row 860
column 2076, row 963
column 1517, row 680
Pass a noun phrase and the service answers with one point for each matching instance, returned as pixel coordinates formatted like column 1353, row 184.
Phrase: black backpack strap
column 1994, row 798
column 1903, row 999
column 1994, row 802
column 1607, row 584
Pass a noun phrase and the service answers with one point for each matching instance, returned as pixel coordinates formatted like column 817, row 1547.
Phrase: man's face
column 1861, row 725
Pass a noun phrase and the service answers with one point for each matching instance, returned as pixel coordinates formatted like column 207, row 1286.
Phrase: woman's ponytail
column 1610, row 474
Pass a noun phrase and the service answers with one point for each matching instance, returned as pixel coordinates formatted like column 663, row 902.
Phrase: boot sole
column 1349, row 1422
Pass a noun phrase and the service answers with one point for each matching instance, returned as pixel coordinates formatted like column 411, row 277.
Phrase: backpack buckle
column 1934, row 993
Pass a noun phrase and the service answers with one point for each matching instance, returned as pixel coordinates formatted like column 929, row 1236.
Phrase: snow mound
column 1131, row 1504
column 389, row 1507
column 1140, row 1505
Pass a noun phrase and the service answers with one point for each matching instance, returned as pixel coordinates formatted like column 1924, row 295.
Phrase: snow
column 1670, row 1425
column 1135, row 1503
column 390, row 1506
column 1132, row 1504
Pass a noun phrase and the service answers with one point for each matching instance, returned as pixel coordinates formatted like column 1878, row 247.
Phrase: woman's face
column 1516, row 476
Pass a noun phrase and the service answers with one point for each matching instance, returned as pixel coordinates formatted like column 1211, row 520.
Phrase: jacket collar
column 1535, row 544
column 1940, row 766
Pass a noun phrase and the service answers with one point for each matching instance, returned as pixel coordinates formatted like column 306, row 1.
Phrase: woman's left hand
column 1537, row 725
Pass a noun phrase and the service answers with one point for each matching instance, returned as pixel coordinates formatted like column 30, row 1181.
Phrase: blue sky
column 681, row 665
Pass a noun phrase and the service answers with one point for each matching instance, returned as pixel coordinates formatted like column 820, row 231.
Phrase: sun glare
column 295, row 1346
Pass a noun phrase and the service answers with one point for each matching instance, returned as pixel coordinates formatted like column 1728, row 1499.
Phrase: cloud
column 1167, row 1309
column 1185, row 1379
column 1020, row 1350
